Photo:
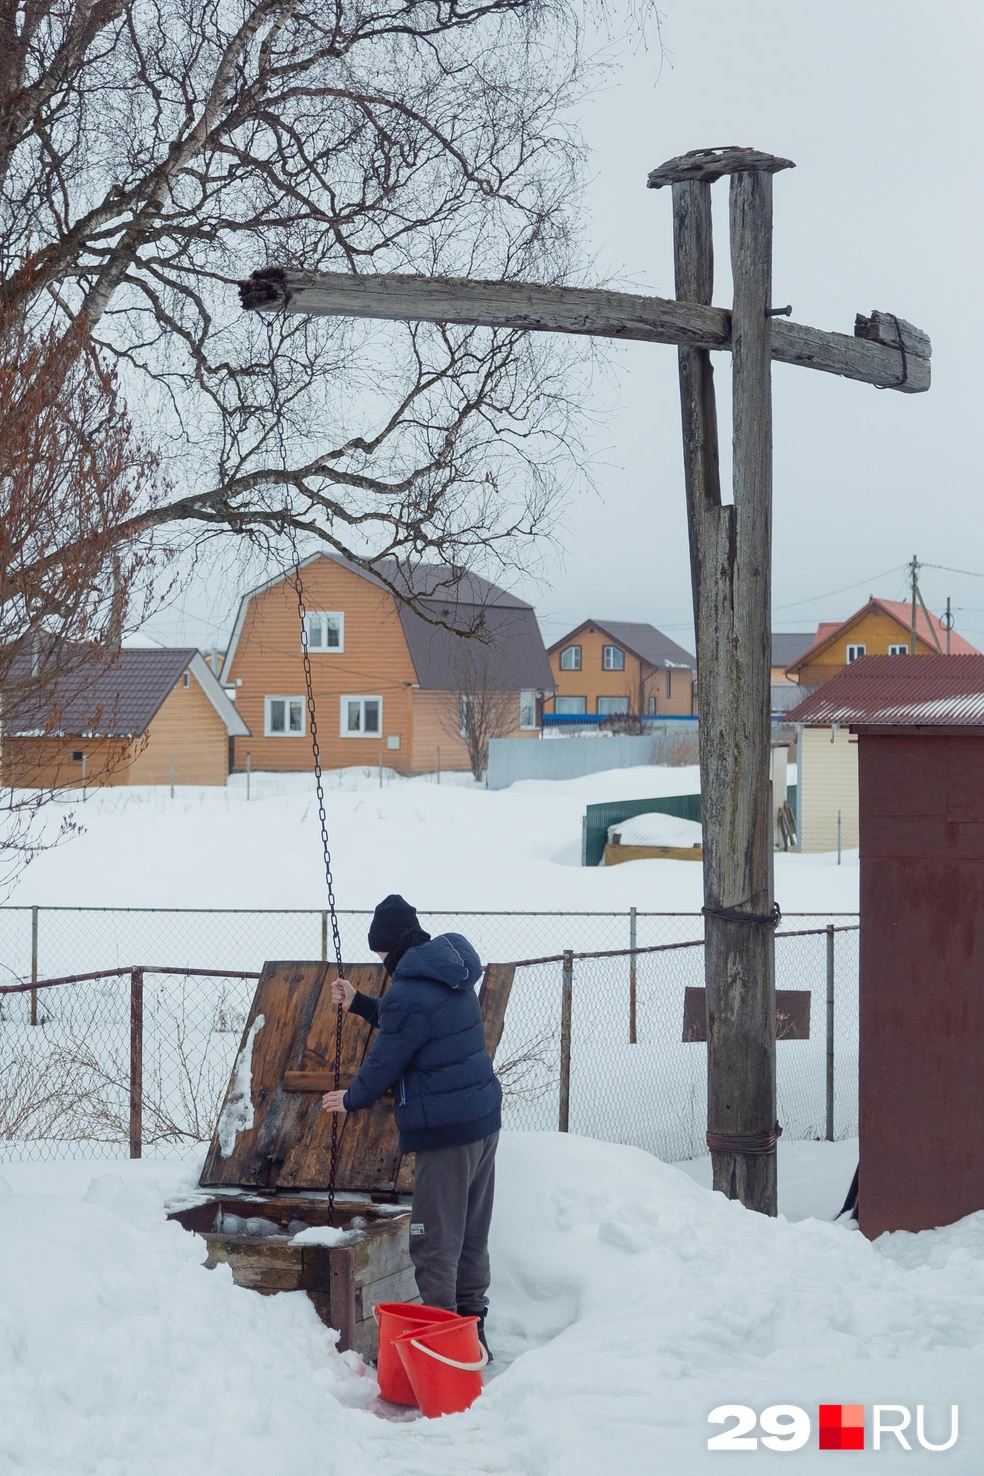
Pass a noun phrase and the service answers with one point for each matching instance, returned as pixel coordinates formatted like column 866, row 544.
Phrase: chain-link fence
column 75, row 1057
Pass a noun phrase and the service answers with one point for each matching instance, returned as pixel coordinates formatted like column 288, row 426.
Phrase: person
column 430, row 1051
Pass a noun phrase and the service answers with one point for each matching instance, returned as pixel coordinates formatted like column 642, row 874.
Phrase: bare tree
column 482, row 707
column 152, row 154
column 71, row 471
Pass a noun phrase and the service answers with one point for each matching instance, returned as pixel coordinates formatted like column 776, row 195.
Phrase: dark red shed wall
column 922, row 979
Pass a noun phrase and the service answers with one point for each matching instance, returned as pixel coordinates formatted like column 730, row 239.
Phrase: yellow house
column 616, row 667
column 879, row 628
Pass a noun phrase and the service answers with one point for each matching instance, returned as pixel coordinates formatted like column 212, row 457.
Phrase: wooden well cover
column 270, row 1138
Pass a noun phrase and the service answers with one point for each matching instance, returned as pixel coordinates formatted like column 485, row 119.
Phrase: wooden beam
column 704, row 166
column 589, row 311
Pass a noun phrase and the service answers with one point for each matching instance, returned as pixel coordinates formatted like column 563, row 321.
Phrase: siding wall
column 638, row 682
column 46, row 763
column 827, row 782
column 435, row 726
column 876, row 631
column 375, row 662
column 187, row 726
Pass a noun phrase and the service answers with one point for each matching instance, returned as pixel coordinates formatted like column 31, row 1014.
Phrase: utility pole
column 948, row 623
column 914, row 570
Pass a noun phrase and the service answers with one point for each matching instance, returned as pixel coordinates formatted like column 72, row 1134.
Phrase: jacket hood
column 449, row 959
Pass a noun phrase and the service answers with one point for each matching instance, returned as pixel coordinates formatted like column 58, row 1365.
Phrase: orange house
column 620, row 666
column 155, row 716
column 879, row 628
column 388, row 684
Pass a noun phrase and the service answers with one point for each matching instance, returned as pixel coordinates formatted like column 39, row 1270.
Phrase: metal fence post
column 632, row 977
column 830, row 1032
column 34, row 964
column 566, row 1003
column 136, row 1062
column 324, row 936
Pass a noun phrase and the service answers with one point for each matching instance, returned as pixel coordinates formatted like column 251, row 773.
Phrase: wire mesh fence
column 615, row 1063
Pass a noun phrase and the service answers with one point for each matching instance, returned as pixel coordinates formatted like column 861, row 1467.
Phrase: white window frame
column 855, row 651
column 465, row 703
column 186, row 679
column 325, row 615
column 527, row 704
column 582, row 711
column 898, row 649
column 575, row 663
column 608, row 655
column 343, row 727
column 269, row 731
column 613, row 711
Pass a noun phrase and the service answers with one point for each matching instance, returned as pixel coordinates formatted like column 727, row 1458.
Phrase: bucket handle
column 452, row 1362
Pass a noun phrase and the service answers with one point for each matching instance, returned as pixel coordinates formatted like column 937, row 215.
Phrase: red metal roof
column 900, row 691
column 901, row 610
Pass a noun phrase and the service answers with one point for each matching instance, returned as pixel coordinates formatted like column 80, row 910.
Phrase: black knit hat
column 392, row 921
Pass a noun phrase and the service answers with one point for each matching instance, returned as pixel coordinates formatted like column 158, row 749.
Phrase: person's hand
column 332, row 1101
column 342, row 993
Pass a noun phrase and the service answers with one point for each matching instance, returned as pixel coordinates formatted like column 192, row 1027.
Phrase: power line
column 971, row 573
column 843, row 589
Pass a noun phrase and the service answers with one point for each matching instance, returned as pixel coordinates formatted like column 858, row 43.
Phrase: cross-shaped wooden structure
column 730, row 554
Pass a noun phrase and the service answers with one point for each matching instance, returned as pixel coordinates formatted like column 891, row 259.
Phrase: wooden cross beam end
column 707, row 165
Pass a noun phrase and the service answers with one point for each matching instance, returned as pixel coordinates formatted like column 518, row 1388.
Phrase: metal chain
column 278, row 420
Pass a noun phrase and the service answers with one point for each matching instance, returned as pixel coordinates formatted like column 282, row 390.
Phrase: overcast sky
column 878, row 104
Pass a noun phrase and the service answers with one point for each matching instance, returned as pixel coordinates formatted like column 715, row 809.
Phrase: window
column 669, row 681
column 609, row 705
column 612, row 659
column 570, row 659
column 186, row 679
column 527, row 710
column 854, row 653
column 466, row 715
column 570, row 706
column 362, row 717
column 899, row 650
column 77, row 755
column 325, row 630
column 284, row 717
column 651, row 707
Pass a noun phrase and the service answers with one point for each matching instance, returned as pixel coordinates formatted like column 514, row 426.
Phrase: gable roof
column 900, row 691
column 786, row 645
column 515, row 650
column 643, row 640
column 898, row 610
column 118, row 695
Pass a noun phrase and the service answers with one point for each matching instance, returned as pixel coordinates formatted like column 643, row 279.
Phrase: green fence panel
column 597, row 818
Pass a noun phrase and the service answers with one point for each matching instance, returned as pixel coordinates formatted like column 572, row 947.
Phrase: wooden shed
column 919, row 721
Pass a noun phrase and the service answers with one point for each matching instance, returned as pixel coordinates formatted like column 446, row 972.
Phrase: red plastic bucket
column 444, row 1364
column 394, row 1319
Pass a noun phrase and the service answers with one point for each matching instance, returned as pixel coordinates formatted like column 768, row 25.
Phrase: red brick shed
column 920, row 727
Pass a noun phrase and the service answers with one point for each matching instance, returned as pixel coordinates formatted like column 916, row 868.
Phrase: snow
column 627, row 1302
column 449, row 847
column 656, row 830
column 237, row 1114
column 325, row 1235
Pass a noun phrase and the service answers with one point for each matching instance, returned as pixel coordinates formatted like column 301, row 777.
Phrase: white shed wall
column 828, row 782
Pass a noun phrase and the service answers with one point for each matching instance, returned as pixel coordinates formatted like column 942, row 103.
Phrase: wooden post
column 136, row 1063
column 34, row 964
column 566, row 1011
column 830, row 1032
column 730, row 551
column 633, row 981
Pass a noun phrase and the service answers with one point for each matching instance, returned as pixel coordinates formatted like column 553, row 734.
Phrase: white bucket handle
column 452, row 1362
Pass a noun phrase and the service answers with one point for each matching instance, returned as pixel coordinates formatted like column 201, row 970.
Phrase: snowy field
column 627, row 1303
column 453, row 846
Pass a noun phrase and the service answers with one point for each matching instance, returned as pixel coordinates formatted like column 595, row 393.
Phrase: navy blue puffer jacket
column 431, row 1049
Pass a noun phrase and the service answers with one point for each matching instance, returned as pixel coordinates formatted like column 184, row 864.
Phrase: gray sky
column 877, row 102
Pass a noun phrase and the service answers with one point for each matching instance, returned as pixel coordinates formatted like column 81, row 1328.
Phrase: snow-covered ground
column 627, row 1303
column 453, row 846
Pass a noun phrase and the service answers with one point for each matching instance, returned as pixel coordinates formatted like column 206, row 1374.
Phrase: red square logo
column 842, row 1427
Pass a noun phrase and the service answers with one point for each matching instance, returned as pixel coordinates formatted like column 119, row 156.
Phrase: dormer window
column 325, row 630
column 612, row 658
column 854, row 653
column 570, row 658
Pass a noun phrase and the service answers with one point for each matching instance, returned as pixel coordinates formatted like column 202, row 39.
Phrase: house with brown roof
column 608, row 667
column 879, row 628
column 389, row 681
column 154, row 716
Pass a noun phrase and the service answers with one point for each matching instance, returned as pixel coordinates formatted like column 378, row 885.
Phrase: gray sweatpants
column 449, row 1224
